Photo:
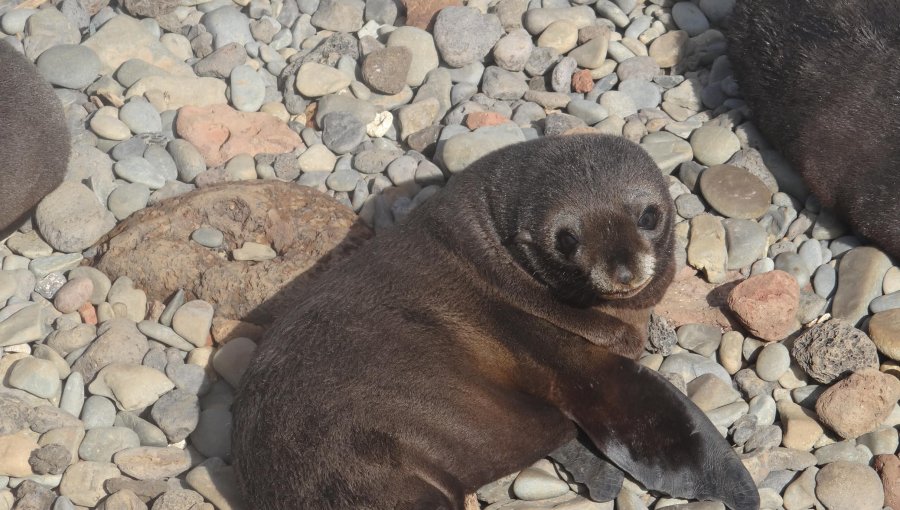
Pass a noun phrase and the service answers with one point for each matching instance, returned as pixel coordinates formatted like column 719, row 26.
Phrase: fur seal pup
column 822, row 79
column 477, row 337
column 34, row 139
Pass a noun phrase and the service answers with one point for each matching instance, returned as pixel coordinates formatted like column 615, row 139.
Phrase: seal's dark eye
column 566, row 242
column 649, row 218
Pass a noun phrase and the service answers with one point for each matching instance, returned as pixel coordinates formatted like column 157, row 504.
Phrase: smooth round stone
column 14, row 21
column 667, row 150
column 342, row 132
column 700, row 338
column 561, row 36
column 689, row 205
column 208, row 236
column 464, row 35
column 734, row 192
column 424, row 54
column 690, row 18
column 513, row 50
column 643, row 93
column 72, row 399
column 98, row 412
column 884, row 329
column 891, row 282
column 589, row 111
column 316, row 80
column 764, row 408
column 139, row 171
column 241, row 168
column 71, row 66
column 772, row 362
column 714, row 145
column 128, row 198
column 811, row 253
column 637, row 68
column 317, row 158
column 227, row 25
column 880, row 442
column 248, row 90
column 533, row 484
column 109, row 127
column 717, row 10
column 177, row 413
column 792, row 264
column 343, row 180
column 76, row 292
column 193, row 321
column 501, row 84
column 36, row 376
column 385, row 69
column 140, row 117
column 885, row 303
column 101, row 443
column 746, row 241
column 618, row 103
column 668, row 49
column 132, row 386
column 402, row 170
column 188, row 160
column 846, row 485
column 162, row 161
column 824, row 280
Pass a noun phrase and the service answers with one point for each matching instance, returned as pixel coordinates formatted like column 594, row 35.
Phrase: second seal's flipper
column 590, row 468
column 656, row 434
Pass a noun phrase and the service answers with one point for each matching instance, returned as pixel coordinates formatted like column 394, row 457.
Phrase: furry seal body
column 822, row 79
column 476, row 338
column 34, row 139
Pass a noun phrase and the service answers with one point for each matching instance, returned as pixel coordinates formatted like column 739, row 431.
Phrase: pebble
column 152, row 463
column 860, row 276
column 534, row 485
column 36, row 376
column 140, row 117
column 100, row 443
column 860, row 403
column 773, row 361
column 464, row 35
column 846, row 485
column 98, row 412
column 227, row 25
column 667, row 50
column 690, row 18
column 83, row 482
column 132, row 387
column 69, row 65
column 216, row 481
column 385, row 69
column 231, row 360
column 833, row 349
column 732, row 191
column 700, row 338
column 714, row 145
column 316, row 80
column 193, row 320
column 254, row 252
column 71, row 296
column 248, row 90
column 424, row 53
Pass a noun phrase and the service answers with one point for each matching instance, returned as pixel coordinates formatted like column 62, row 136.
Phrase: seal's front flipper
column 589, row 467
column 655, row 433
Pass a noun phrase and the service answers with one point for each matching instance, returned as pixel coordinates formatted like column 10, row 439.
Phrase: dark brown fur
column 463, row 346
column 34, row 140
column 822, row 78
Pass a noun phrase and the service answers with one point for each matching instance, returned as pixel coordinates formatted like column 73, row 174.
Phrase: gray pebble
column 794, row 265
column 140, row 117
column 209, row 237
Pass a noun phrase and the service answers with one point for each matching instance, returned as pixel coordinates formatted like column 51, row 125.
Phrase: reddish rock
column 888, row 466
column 582, row 81
column 858, row 404
column 476, row 120
column 692, row 300
column 220, row 132
column 421, row 13
column 766, row 304
column 88, row 313
column 75, row 293
column 308, row 230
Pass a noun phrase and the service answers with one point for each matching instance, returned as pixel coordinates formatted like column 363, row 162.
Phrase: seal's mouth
column 628, row 293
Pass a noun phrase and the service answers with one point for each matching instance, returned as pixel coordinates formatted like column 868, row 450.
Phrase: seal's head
column 593, row 222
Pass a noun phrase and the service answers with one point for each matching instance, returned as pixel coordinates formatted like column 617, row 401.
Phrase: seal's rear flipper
column 656, row 434
column 590, row 468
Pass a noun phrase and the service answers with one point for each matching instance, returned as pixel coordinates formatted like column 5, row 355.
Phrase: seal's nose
column 623, row 275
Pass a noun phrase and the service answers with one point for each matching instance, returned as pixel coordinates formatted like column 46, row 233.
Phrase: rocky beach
column 133, row 298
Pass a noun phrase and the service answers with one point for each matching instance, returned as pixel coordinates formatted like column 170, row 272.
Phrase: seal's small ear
column 656, row 434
